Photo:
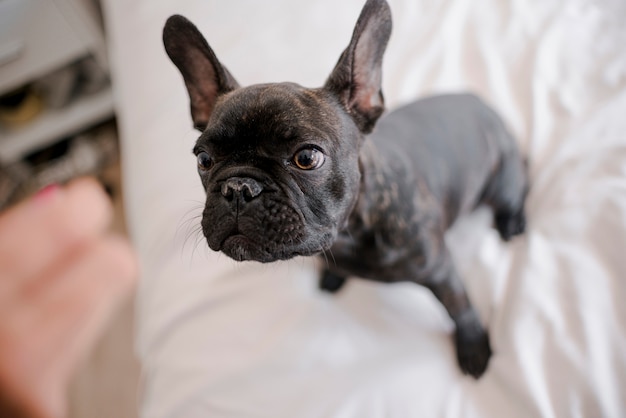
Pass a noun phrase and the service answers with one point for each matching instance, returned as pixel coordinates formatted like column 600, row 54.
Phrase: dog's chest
column 389, row 250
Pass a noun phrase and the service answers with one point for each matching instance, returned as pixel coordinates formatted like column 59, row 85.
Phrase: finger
column 79, row 304
column 42, row 230
column 61, row 324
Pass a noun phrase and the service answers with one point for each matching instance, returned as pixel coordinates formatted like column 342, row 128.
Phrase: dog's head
column 280, row 162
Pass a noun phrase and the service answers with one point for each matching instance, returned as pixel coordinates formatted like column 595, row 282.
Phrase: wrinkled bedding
column 222, row 339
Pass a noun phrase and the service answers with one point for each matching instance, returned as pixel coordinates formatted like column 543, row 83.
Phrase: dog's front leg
column 331, row 282
column 472, row 340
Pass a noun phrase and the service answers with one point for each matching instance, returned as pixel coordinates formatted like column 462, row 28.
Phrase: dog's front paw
column 510, row 224
column 331, row 282
column 473, row 351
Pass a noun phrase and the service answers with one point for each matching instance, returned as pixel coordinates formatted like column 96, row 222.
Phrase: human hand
column 61, row 277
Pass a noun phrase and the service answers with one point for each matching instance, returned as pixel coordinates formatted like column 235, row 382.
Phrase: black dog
column 288, row 171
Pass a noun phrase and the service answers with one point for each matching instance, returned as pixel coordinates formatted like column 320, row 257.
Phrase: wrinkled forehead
column 284, row 110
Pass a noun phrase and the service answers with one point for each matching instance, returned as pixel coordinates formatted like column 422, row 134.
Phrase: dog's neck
column 373, row 190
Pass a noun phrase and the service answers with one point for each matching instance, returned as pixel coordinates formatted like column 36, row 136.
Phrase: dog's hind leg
column 506, row 193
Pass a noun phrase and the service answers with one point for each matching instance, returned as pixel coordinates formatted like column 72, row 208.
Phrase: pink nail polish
column 47, row 193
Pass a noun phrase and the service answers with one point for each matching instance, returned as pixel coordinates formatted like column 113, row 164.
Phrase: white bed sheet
column 222, row 339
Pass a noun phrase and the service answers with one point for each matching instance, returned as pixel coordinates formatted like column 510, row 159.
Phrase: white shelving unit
column 38, row 37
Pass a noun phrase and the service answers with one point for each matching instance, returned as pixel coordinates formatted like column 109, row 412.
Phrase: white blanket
column 220, row 339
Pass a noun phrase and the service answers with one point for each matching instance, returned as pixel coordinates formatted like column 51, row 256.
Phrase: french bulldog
column 293, row 171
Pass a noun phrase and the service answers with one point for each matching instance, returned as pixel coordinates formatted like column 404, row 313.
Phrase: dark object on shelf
column 85, row 154
column 19, row 107
column 60, row 87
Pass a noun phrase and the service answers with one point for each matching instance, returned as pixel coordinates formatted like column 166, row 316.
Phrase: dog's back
column 455, row 143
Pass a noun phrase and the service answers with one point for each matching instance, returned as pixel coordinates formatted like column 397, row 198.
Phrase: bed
column 223, row 339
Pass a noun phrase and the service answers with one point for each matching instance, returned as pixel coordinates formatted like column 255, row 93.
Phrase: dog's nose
column 244, row 188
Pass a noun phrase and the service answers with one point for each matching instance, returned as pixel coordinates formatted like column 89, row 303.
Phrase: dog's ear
column 204, row 76
column 357, row 77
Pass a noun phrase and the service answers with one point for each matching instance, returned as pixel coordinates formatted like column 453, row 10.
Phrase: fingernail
column 47, row 193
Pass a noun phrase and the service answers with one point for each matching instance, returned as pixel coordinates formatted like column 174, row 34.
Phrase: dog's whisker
column 199, row 240
column 350, row 236
column 325, row 258
column 189, row 222
column 195, row 231
column 330, row 250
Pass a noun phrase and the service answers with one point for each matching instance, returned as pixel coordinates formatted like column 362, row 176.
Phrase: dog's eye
column 204, row 161
column 308, row 159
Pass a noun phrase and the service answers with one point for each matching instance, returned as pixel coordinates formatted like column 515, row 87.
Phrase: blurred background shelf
column 55, row 124
column 39, row 38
